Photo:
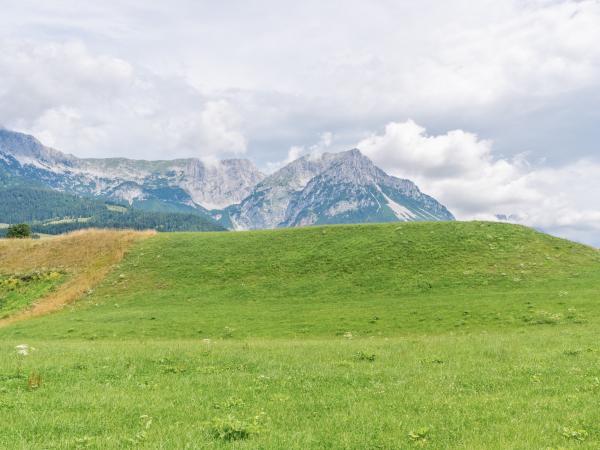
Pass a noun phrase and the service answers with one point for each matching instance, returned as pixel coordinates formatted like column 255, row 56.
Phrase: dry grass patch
column 86, row 256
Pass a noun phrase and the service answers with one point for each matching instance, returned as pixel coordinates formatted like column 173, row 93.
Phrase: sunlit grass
column 19, row 291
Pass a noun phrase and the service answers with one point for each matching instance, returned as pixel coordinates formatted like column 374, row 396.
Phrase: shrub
column 19, row 231
column 362, row 356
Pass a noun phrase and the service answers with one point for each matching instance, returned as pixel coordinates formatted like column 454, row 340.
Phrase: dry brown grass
column 86, row 255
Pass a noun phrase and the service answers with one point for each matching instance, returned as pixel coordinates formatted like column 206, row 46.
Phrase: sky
column 492, row 107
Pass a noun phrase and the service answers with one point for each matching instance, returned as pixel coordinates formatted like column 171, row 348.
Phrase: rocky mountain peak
column 27, row 148
column 201, row 184
column 345, row 187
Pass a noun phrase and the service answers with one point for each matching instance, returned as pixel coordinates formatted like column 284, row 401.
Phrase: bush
column 19, row 231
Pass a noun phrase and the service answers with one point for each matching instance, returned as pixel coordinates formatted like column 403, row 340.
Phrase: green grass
column 19, row 291
column 440, row 335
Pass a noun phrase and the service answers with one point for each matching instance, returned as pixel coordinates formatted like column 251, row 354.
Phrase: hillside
column 171, row 183
column 440, row 335
column 333, row 188
column 28, row 204
column 52, row 212
column 38, row 277
column 192, row 282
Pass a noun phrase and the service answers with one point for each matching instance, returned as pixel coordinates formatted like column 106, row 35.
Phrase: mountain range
column 343, row 187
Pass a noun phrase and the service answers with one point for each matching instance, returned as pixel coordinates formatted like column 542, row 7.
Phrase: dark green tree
column 19, row 231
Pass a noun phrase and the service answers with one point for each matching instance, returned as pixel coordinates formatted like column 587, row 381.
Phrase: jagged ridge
column 189, row 182
column 343, row 187
column 330, row 188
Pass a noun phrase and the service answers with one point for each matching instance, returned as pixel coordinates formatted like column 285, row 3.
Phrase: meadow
column 417, row 335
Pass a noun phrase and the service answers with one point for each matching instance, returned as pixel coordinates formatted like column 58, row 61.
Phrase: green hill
column 440, row 335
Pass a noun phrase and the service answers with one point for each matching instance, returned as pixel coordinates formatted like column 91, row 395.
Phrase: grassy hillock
column 439, row 335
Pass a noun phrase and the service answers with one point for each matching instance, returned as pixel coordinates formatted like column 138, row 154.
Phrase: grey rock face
column 187, row 181
column 330, row 188
column 334, row 188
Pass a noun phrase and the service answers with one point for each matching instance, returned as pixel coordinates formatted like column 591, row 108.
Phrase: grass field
column 435, row 335
column 19, row 291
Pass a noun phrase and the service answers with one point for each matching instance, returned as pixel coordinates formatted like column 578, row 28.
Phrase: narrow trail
column 87, row 256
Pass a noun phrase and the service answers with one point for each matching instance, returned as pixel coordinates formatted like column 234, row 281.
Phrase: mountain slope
column 189, row 182
column 266, row 206
column 53, row 212
column 333, row 188
column 29, row 204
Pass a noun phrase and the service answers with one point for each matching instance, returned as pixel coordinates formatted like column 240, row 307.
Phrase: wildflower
column 228, row 332
column 23, row 349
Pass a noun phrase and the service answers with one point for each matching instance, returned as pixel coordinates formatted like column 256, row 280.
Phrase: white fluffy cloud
column 462, row 172
column 95, row 105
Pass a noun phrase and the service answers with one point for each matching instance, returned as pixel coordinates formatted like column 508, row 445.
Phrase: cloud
column 453, row 64
column 97, row 105
column 467, row 58
column 324, row 144
column 461, row 170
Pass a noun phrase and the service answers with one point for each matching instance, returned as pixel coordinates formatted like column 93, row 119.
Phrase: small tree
column 19, row 231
